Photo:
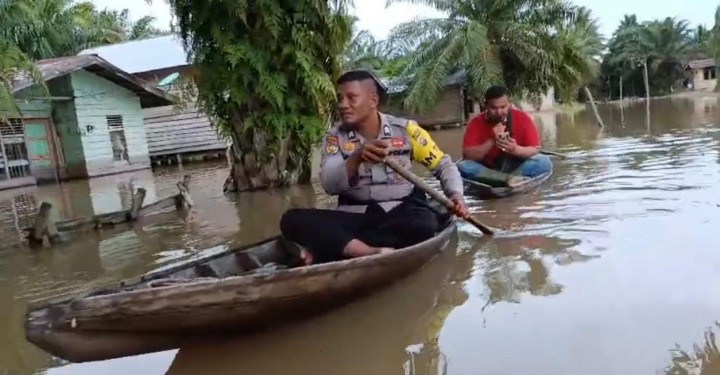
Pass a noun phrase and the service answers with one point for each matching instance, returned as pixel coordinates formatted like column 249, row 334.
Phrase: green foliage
column 514, row 42
column 52, row 28
column 664, row 46
column 265, row 69
column 578, row 44
column 14, row 65
column 40, row 29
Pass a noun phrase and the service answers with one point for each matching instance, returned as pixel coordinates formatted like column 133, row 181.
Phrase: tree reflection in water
column 426, row 357
column 703, row 360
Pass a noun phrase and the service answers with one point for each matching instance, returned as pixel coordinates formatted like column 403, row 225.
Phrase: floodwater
column 608, row 268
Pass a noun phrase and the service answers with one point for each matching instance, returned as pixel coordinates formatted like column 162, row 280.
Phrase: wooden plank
column 171, row 123
column 173, row 117
column 170, row 111
column 170, row 127
column 4, row 155
column 204, row 148
column 195, row 139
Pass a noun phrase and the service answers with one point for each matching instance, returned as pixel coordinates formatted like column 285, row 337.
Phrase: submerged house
column 89, row 122
column 702, row 74
column 162, row 61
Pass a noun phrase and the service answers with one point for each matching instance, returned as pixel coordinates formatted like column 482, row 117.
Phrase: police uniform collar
column 385, row 130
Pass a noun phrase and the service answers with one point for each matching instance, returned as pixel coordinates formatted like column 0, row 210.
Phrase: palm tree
column 40, row 29
column 267, row 79
column 670, row 43
column 632, row 49
column 712, row 44
column 579, row 46
column 659, row 48
column 613, row 66
column 493, row 41
column 363, row 51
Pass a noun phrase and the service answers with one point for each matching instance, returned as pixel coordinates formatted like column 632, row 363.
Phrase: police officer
column 378, row 210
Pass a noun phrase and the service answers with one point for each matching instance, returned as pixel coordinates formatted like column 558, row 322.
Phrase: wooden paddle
column 417, row 181
column 553, row 153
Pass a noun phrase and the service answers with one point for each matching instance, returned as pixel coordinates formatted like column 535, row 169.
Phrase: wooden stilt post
column 137, row 202
column 591, row 100
column 44, row 226
column 184, row 200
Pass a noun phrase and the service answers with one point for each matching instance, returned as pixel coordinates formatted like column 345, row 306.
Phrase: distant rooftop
column 143, row 55
column 700, row 64
column 395, row 86
column 60, row 66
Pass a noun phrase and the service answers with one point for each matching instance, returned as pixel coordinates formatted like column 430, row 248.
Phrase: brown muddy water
column 611, row 267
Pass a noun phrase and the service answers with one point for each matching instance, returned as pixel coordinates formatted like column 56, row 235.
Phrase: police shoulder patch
column 331, row 144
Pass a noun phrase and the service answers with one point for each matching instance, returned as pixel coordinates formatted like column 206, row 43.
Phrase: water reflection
column 704, row 359
column 377, row 335
column 611, row 258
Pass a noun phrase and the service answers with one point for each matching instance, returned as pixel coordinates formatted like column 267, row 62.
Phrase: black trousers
column 325, row 233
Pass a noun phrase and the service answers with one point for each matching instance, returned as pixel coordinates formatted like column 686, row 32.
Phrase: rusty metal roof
column 700, row 64
column 150, row 96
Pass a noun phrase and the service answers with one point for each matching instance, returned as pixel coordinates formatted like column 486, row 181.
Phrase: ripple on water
column 597, row 261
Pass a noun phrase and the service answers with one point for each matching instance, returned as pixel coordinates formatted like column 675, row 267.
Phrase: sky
column 379, row 20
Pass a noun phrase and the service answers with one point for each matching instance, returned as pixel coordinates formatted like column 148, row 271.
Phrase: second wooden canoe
column 483, row 191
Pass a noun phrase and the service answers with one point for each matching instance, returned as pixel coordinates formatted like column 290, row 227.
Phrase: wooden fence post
column 184, row 200
column 44, row 226
column 137, row 202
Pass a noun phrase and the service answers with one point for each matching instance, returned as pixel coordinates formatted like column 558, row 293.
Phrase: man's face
column 357, row 101
column 497, row 109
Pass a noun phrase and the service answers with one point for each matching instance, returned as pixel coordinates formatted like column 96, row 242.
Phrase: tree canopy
column 266, row 78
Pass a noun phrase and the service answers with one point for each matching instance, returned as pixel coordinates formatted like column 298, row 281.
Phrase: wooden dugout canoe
column 230, row 293
column 484, row 191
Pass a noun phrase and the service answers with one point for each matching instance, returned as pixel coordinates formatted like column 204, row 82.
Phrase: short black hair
column 361, row 75
column 497, row 91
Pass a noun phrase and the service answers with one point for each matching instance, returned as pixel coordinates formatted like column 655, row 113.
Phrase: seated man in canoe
column 501, row 146
column 378, row 210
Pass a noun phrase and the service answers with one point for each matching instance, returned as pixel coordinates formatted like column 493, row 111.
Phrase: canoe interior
column 483, row 191
column 262, row 258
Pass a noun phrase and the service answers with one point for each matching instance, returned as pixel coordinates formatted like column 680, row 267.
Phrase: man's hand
column 498, row 129
column 373, row 151
column 460, row 208
column 506, row 145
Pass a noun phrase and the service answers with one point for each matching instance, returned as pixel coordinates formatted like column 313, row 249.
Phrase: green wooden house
column 88, row 123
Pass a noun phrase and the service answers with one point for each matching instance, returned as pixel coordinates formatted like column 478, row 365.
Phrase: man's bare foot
column 306, row 257
column 386, row 250
column 357, row 248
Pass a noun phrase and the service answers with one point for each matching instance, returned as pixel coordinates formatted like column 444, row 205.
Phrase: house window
column 709, row 73
column 13, row 152
column 117, row 137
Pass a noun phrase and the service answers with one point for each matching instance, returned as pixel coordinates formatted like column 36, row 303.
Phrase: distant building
column 170, row 130
column 454, row 106
column 701, row 74
column 90, row 125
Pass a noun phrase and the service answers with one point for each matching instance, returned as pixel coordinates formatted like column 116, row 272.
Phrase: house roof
column 700, row 64
column 395, row 86
column 57, row 67
column 143, row 55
